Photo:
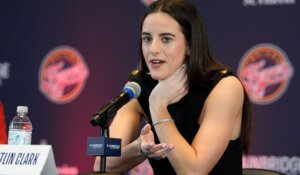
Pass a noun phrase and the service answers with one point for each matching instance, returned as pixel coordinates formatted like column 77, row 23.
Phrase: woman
column 197, row 110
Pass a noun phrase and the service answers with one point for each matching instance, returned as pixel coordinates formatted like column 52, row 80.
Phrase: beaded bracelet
column 139, row 147
column 162, row 121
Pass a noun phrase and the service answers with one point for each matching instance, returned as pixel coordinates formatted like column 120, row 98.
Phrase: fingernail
column 171, row 147
column 163, row 145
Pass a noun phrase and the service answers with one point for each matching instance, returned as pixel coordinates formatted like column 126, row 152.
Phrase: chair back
column 255, row 171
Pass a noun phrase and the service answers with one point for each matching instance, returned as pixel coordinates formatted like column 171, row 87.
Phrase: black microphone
column 106, row 113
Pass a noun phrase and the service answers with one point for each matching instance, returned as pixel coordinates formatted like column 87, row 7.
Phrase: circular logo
column 62, row 75
column 265, row 71
column 147, row 2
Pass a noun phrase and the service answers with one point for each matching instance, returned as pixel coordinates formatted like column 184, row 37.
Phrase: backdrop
column 65, row 59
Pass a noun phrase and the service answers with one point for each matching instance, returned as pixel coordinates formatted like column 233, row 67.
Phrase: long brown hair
column 201, row 65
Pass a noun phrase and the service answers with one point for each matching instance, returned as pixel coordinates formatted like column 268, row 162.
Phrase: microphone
column 105, row 114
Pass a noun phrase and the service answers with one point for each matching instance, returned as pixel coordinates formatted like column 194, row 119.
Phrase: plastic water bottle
column 20, row 128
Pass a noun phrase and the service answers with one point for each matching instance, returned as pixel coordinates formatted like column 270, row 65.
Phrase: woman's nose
column 155, row 46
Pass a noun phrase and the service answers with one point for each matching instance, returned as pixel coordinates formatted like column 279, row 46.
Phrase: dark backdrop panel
column 106, row 33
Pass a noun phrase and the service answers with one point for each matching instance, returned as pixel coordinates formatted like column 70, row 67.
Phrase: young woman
column 197, row 110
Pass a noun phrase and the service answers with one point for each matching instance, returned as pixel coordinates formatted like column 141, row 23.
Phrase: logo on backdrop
column 63, row 73
column 265, row 71
column 251, row 3
column 147, row 2
column 4, row 72
column 284, row 164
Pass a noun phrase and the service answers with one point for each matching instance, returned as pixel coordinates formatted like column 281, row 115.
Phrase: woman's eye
column 146, row 39
column 166, row 39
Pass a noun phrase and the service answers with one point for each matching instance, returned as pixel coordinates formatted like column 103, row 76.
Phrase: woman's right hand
column 149, row 149
column 171, row 89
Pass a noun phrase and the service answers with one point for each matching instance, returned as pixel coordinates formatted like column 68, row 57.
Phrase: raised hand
column 147, row 146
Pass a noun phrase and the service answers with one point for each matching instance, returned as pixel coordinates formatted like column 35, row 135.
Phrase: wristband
column 162, row 121
column 139, row 147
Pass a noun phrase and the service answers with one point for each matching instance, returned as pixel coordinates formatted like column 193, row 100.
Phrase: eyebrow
column 161, row 34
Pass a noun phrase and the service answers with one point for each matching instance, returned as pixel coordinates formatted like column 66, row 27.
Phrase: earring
column 188, row 51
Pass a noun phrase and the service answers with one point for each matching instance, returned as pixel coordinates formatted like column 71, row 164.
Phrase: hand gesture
column 147, row 146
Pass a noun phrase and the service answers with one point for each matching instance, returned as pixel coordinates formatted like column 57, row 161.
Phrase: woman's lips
column 156, row 63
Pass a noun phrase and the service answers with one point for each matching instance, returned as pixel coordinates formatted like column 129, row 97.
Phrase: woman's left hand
column 149, row 148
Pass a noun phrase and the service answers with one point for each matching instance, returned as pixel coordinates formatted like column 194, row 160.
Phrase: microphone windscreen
column 133, row 88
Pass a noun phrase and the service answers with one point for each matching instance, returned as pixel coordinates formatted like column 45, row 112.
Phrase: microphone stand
column 105, row 133
column 107, row 117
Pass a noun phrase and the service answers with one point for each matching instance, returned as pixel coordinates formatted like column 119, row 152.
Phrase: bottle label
column 17, row 137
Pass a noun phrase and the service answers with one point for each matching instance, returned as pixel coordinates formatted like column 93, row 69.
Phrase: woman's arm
column 125, row 126
column 220, row 121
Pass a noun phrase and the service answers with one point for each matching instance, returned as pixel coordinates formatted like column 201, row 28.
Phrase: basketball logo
column 62, row 75
column 147, row 2
column 265, row 71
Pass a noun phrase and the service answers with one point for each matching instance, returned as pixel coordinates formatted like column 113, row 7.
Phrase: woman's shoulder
column 226, row 82
column 230, row 83
column 224, row 75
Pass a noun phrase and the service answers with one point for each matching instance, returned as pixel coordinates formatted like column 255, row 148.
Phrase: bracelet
column 139, row 147
column 162, row 121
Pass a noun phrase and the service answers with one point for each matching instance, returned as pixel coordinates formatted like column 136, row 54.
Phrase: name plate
column 27, row 159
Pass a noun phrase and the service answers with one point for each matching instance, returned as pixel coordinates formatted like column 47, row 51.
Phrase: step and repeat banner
column 65, row 59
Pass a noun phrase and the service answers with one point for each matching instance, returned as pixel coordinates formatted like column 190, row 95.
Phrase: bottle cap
column 23, row 109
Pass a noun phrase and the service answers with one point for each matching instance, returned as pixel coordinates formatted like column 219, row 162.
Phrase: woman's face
column 163, row 44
